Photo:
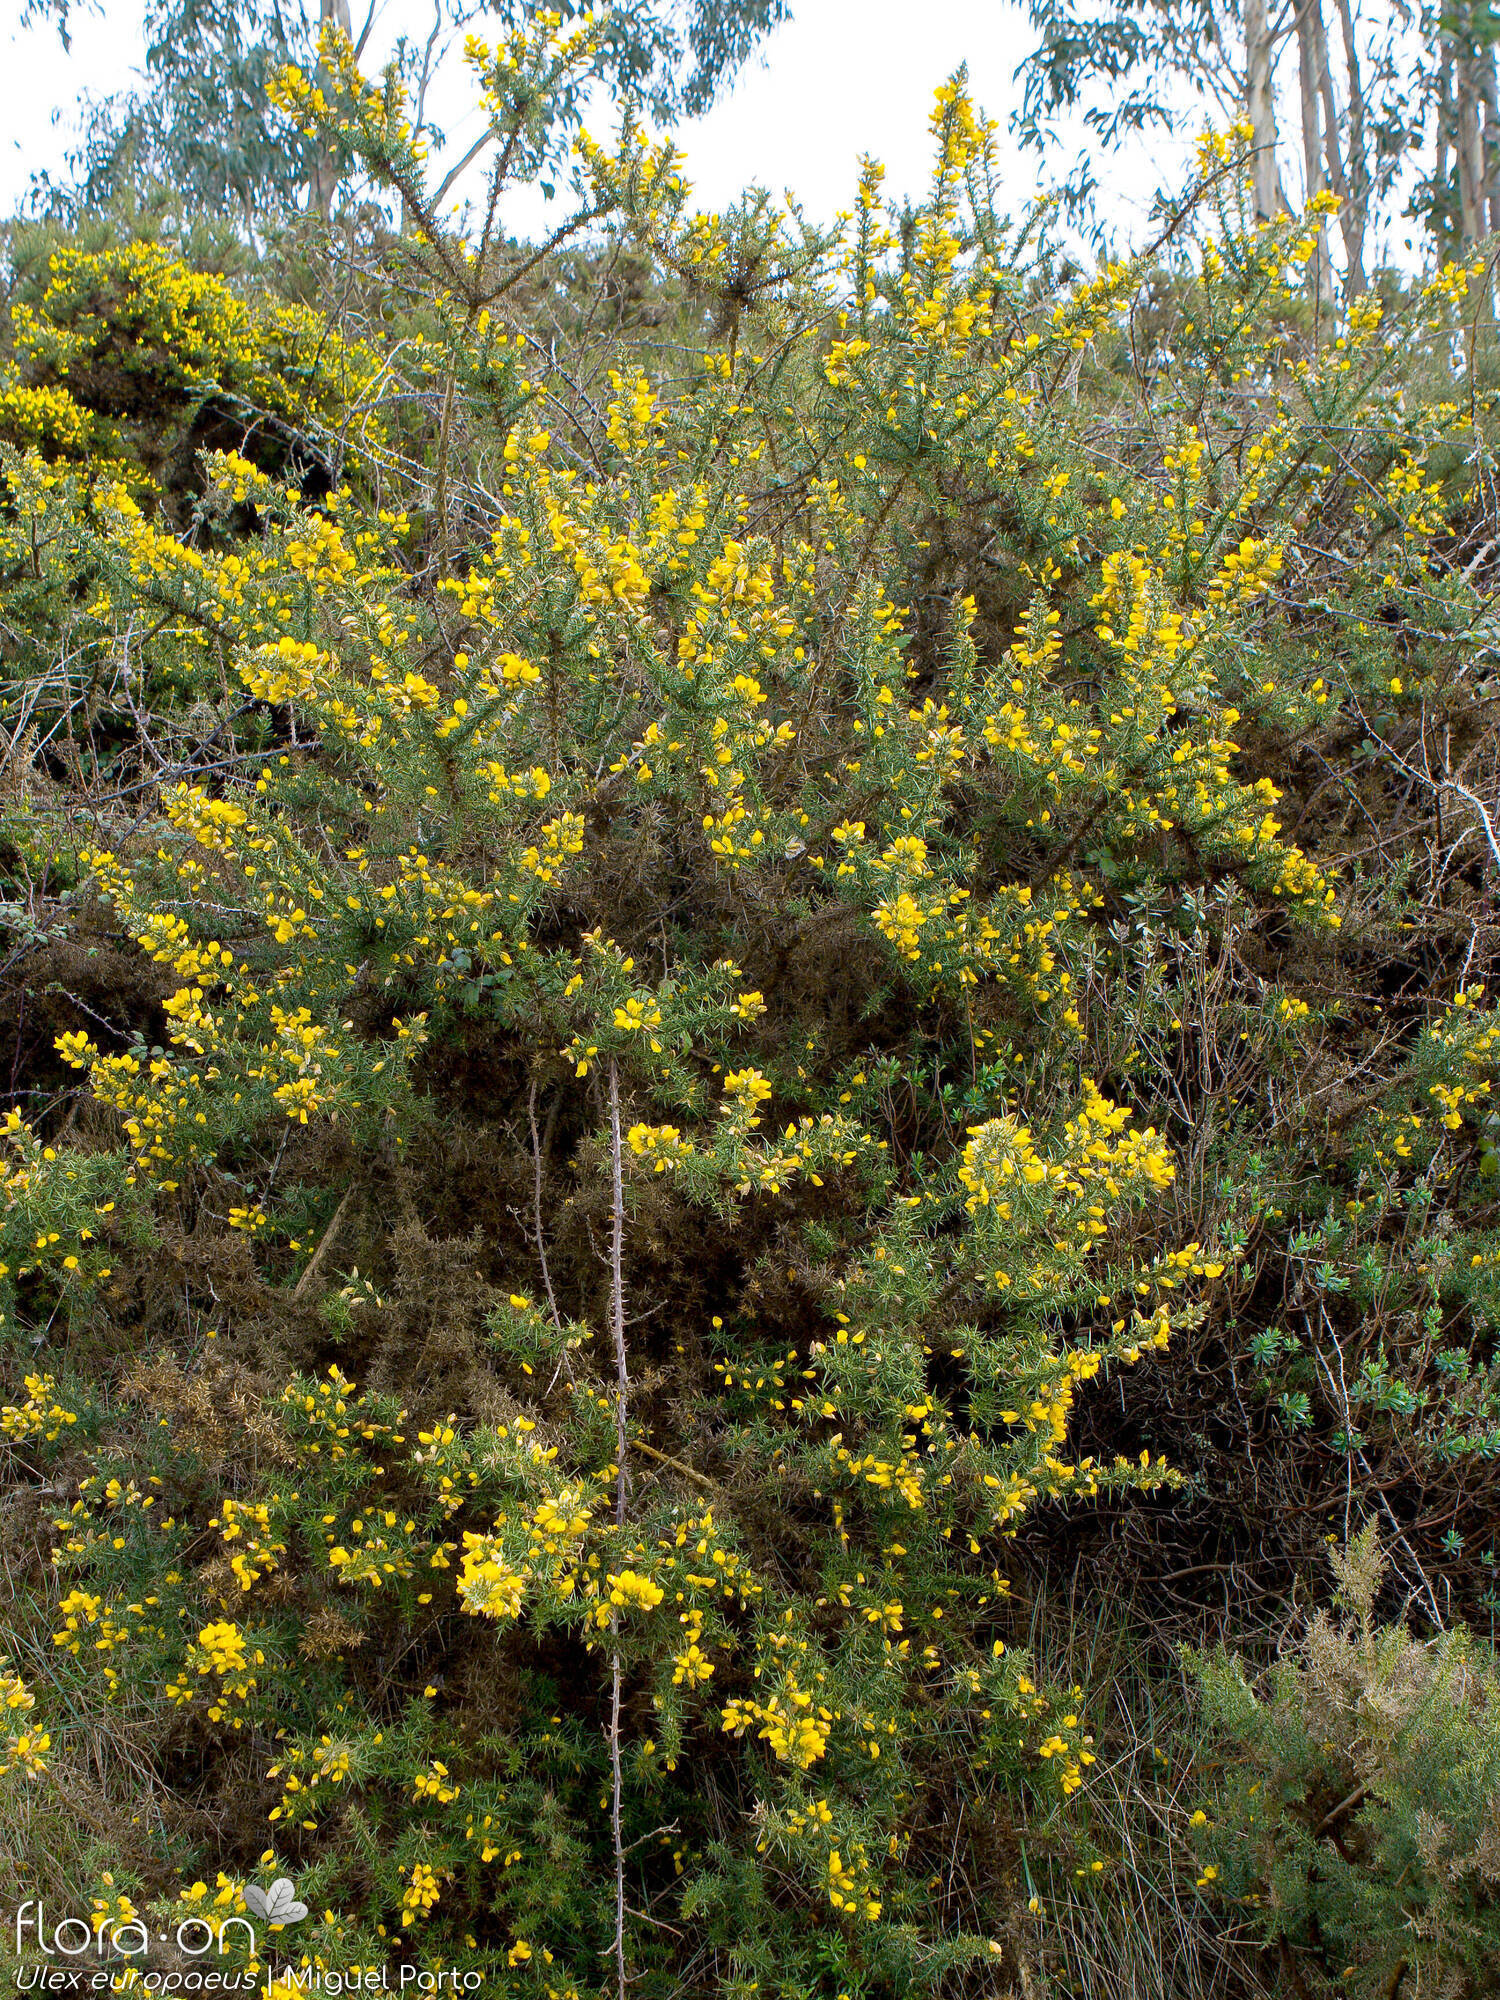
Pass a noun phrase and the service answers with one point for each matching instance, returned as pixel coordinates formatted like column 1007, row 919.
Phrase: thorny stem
column 440, row 503
column 622, row 1390
column 614, row 1759
column 617, row 1287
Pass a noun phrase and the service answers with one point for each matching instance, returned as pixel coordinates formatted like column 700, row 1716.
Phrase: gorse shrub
column 1359, row 1818
column 706, row 942
column 118, row 338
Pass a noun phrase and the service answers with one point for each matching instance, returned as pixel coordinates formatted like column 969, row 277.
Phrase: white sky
column 841, row 78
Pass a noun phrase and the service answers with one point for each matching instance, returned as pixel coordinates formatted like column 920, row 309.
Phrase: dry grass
column 1139, row 1929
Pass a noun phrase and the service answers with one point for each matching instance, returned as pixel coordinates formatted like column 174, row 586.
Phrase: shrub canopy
column 706, row 919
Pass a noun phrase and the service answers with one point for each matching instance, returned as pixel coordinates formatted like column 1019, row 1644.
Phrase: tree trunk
column 1469, row 145
column 1351, row 222
column 1490, row 144
column 1441, row 218
column 325, row 168
column 1308, row 74
column 1357, row 200
column 1260, row 107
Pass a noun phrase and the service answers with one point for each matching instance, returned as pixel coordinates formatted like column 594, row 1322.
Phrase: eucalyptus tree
column 200, row 119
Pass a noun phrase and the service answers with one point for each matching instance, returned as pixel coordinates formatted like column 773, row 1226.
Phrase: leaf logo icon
column 276, row 1905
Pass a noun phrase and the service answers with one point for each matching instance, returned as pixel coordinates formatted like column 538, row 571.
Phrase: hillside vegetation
column 751, row 1088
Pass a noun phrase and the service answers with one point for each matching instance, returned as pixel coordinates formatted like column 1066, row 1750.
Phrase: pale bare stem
column 1427, row 1590
column 1486, row 820
column 305, row 1284
column 1447, row 784
column 424, row 79
column 539, row 1147
column 622, row 1391
column 440, row 504
column 536, row 1204
column 677, row 1465
column 484, row 139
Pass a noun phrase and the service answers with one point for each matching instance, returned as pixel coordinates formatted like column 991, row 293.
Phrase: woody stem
column 622, row 1391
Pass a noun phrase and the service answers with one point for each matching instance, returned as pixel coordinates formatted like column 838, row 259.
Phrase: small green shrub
column 1360, row 1815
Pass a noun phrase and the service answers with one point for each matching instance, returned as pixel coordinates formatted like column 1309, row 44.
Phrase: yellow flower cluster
column 795, row 1728
column 41, row 1415
column 25, row 1749
column 421, row 1895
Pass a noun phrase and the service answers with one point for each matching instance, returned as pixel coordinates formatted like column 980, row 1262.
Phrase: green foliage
column 126, row 355
column 1359, row 1818
column 646, row 1007
column 204, row 123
